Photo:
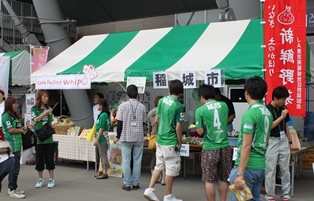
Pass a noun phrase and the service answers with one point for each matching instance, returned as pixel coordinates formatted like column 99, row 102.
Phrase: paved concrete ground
column 75, row 183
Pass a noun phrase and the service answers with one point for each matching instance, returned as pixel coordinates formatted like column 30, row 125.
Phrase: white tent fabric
column 20, row 67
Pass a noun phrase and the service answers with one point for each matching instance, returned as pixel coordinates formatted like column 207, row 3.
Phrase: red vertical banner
column 285, row 50
column 39, row 57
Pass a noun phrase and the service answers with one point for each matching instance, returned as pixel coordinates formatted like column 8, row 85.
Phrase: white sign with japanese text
column 140, row 82
column 213, row 77
column 185, row 150
column 188, row 78
column 160, row 80
column 78, row 81
column 235, row 153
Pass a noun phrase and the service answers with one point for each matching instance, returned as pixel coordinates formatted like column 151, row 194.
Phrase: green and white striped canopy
column 234, row 47
column 19, row 67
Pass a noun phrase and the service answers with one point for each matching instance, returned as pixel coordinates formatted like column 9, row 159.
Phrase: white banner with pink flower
column 78, row 81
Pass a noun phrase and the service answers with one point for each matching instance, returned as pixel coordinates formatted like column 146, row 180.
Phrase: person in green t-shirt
column 101, row 134
column 13, row 130
column 168, row 120
column 42, row 114
column 212, row 121
column 253, row 139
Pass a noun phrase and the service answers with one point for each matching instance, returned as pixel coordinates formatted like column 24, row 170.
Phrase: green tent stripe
column 166, row 52
column 248, row 47
column 13, row 54
column 308, row 63
column 106, row 50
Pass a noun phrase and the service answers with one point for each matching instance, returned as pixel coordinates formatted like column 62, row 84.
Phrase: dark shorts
column 216, row 164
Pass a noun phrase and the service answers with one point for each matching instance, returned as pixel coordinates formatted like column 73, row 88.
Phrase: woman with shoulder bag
column 42, row 114
column 101, row 141
column 13, row 130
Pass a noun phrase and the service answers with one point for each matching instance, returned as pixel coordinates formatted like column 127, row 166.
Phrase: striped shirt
column 132, row 113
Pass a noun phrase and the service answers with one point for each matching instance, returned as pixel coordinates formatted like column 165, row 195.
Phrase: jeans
column 5, row 168
column 14, row 173
column 253, row 179
column 132, row 178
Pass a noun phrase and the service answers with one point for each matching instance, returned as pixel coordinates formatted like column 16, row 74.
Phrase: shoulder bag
column 29, row 139
column 45, row 131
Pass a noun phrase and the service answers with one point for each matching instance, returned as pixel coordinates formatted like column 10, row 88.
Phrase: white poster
column 235, row 153
column 185, row 150
column 78, row 81
column 28, row 119
column 140, row 82
column 213, row 77
column 188, row 78
column 160, row 80
column 30, row 101
column 4, row 72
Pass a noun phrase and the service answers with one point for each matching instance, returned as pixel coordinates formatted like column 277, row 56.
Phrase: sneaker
column 51, row 183
column 150, row 194
column 16, row 195
column 285, row 199
column 163, row 183
column 271, row 199
column 171, row 197
column 16, row 190
column 39, row 183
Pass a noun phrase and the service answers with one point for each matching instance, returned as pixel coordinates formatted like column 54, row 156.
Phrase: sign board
column 185, row 150
column 78, row 81
column 140, row 82
column 160, row 80
column 310, row 20
column 213, row 77
column 188, row 78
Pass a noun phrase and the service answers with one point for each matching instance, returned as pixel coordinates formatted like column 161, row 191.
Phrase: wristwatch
column 290, row 142
column 240, row 174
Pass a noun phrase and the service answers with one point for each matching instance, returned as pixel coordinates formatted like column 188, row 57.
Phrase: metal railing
column 9, row 33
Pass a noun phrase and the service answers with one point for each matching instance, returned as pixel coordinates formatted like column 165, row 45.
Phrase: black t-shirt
column 275, row 132
column 229, row 104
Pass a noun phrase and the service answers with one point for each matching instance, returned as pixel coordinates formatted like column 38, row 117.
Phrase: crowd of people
column 262, row 144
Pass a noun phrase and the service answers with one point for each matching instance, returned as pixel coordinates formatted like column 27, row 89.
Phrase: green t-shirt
column 102, row 122
column 35, row 112
column 170, row 112
column 213, row 118
column 15, row 139
column 257, row 121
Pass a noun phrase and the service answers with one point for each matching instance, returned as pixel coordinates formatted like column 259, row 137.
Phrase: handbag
column 45, row 131
column 152, row 142
column 29, row 139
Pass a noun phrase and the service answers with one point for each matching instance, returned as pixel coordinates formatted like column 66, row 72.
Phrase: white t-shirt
column 96, row 113
column 1, row 112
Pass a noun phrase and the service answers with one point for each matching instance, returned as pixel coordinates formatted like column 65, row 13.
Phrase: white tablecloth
column 74, row 148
